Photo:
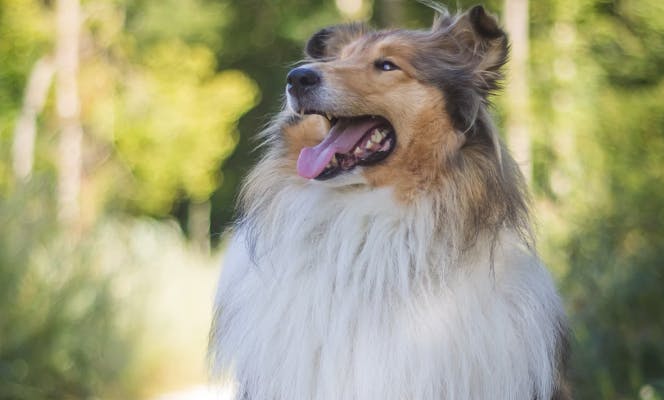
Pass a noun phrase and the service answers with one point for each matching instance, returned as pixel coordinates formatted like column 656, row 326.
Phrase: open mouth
column 352, row 141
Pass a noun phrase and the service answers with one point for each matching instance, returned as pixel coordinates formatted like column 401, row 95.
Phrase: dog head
column 395, row 107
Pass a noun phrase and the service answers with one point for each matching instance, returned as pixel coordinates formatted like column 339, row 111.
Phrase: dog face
column 396, row 107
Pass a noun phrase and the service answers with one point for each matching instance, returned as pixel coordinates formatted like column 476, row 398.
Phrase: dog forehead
column 379, row 43
column 396, row 44
column 359, row 46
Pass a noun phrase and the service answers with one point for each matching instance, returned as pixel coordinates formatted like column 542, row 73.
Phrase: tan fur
column 424, row 148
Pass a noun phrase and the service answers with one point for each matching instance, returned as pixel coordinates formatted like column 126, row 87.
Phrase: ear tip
column 485, row 24
column 478, row 9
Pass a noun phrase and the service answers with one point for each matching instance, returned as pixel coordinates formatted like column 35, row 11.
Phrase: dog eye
column 385, row 65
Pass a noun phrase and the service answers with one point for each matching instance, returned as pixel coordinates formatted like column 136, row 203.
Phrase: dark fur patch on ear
column 315, row 47
column 484, row 24
column 329, row 41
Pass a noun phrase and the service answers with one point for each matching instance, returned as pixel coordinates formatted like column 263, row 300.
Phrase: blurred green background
column 126, row 127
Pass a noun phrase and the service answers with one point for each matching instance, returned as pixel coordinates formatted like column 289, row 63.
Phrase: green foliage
column 612, row 247
column 193, row 21
column 615, row 253
column 155, row 108
column 177, row 112
column 58, row 337
column 156, row 99
column 99, row 316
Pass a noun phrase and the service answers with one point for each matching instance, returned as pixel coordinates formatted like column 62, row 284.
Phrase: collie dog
column 383, row 247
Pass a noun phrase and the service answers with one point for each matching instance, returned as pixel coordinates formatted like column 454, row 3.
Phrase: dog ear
column 481, row 41
column 329, row 41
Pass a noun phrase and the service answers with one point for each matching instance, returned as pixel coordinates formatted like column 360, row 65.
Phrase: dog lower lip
column 329, row 173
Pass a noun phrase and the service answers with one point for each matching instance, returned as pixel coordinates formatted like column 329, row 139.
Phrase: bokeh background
column 126, row 127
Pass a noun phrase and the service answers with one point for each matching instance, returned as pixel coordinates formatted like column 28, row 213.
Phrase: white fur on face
column 345, row 294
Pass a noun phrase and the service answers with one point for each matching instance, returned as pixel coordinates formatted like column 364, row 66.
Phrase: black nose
column 302, row 78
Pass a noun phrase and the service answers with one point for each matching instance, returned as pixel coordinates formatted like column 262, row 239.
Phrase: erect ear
column 329, row 41
column 483, row 43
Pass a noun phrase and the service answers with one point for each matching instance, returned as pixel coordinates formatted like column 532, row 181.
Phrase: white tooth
column 376, row 138
column 357, row 151
column 327, row 115
column 333, row 161
column 368, row 145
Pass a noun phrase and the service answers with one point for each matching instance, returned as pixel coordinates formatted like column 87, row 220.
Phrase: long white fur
column 348, row 294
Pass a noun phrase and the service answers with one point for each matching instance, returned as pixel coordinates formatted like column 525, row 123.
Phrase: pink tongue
column 341, row 139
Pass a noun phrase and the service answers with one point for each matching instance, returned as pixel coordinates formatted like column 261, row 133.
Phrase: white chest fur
column 352, row 297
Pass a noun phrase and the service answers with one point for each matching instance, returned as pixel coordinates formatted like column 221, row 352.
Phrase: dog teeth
column 378, row 135
column 333, row 162
column 357, row 152
column 328, row 116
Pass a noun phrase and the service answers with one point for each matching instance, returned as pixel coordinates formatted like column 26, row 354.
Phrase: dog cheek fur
column 425, row 146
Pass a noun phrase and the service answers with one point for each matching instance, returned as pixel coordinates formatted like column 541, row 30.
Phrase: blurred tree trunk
column 68, row 22
column 198, row 224
column 25, row 131
column 516, row 88
column 565, row 100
